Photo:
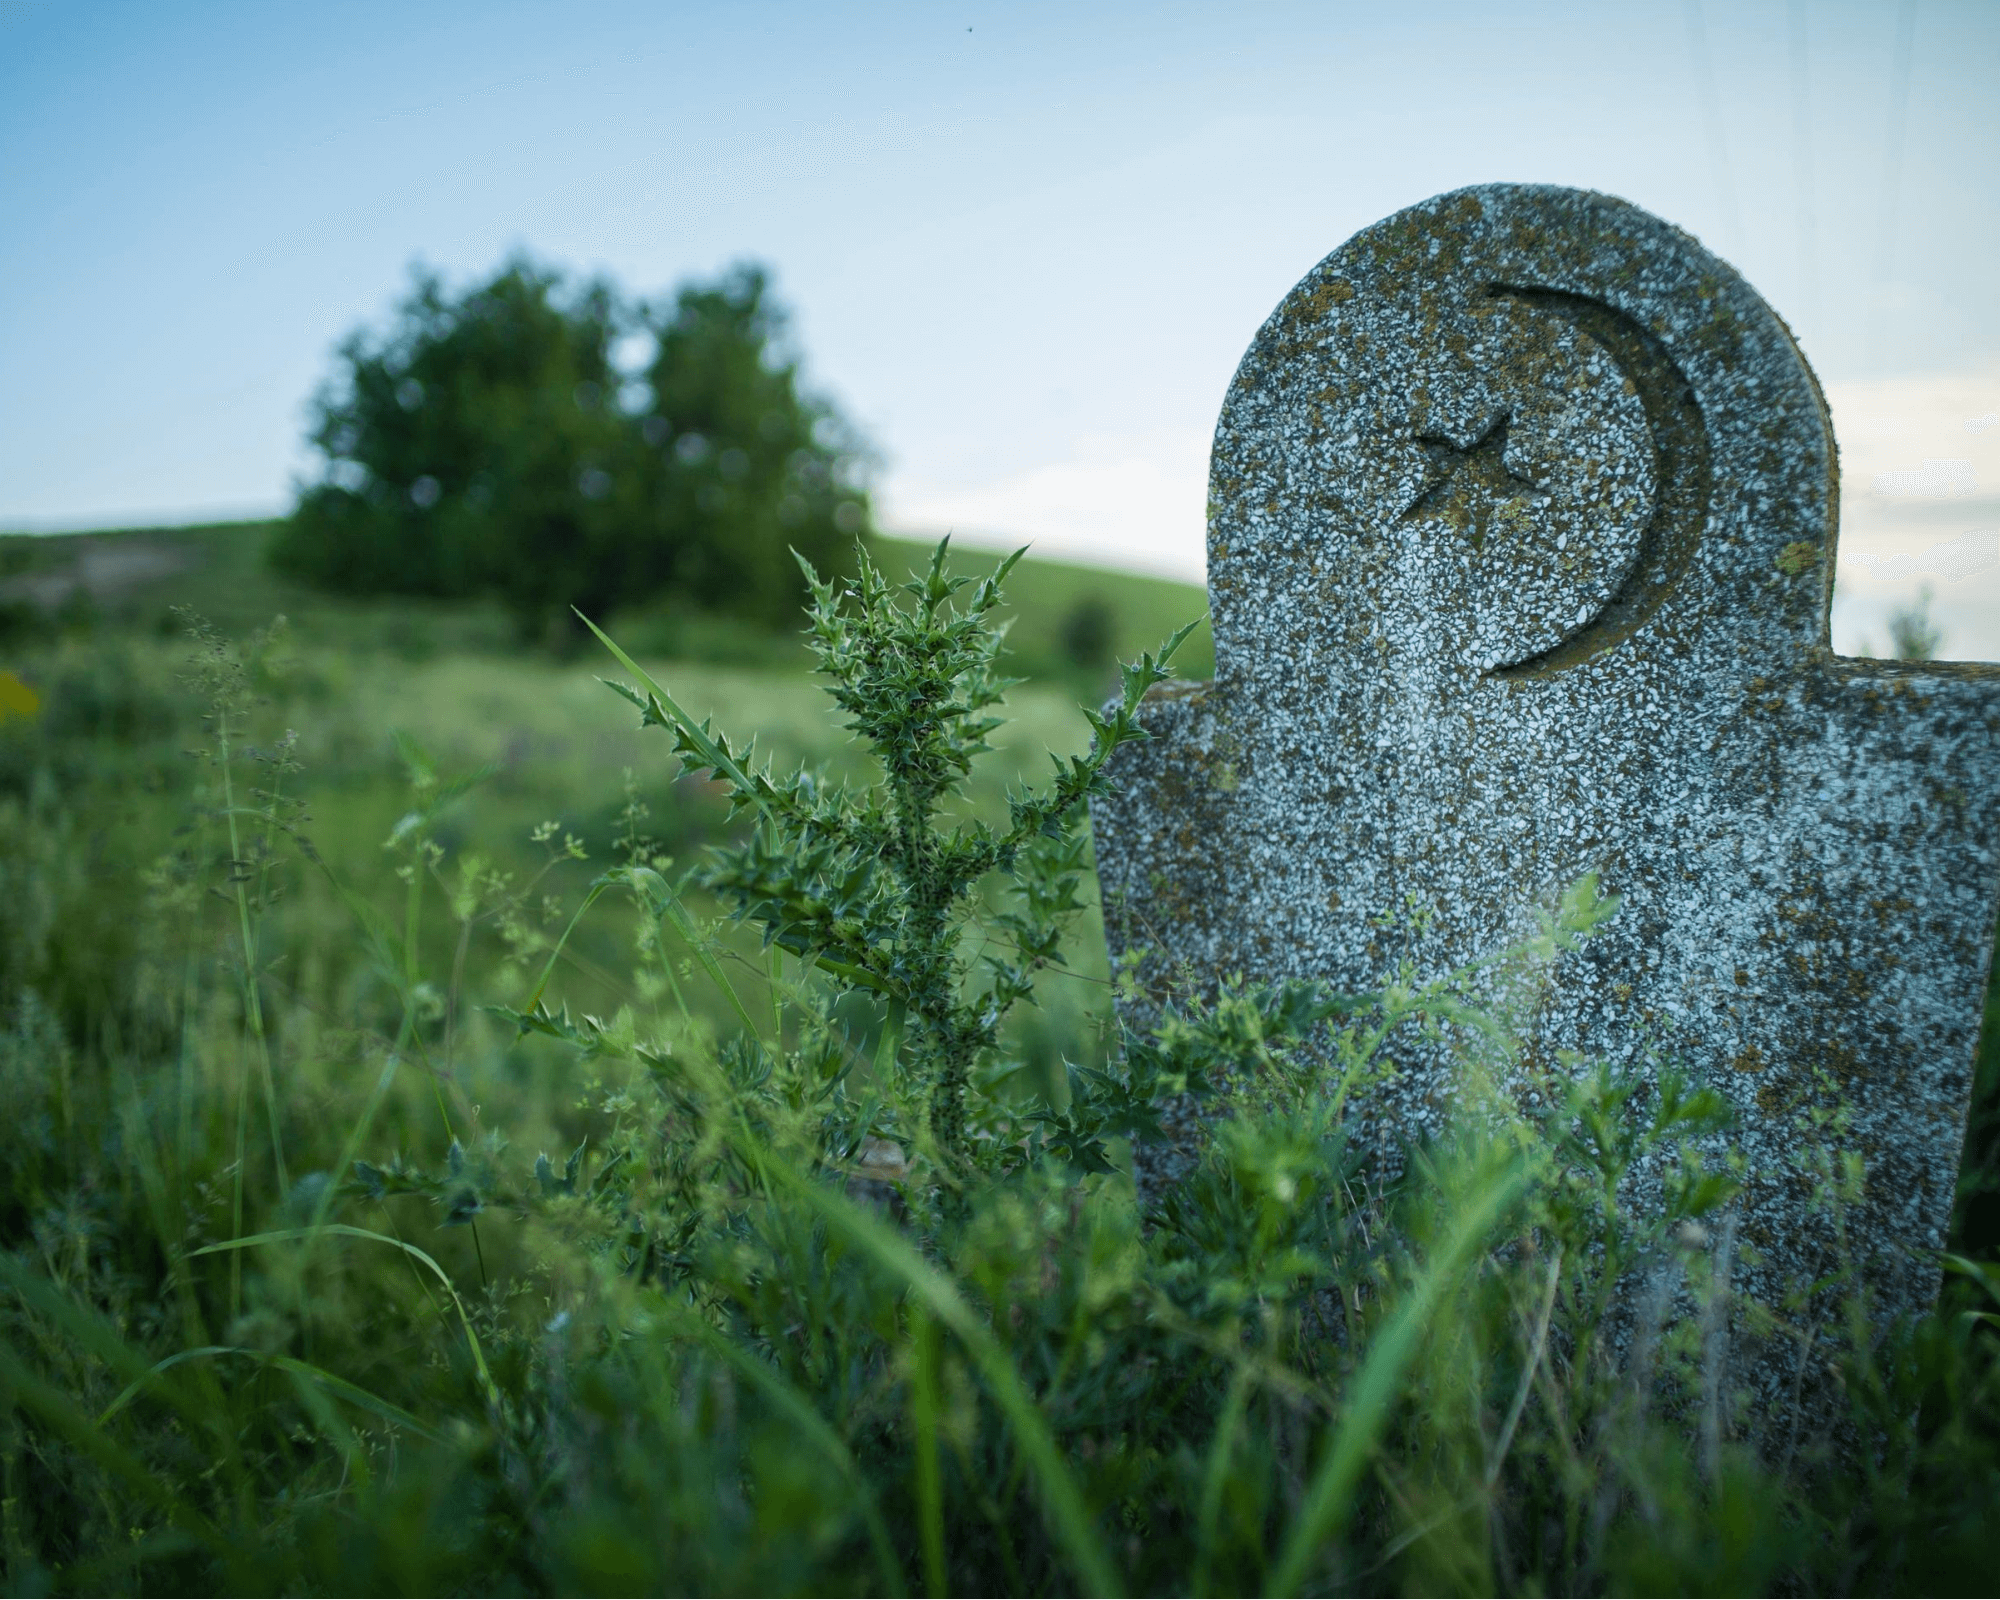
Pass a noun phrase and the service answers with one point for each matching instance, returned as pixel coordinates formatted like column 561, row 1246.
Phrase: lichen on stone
column 1626, row 671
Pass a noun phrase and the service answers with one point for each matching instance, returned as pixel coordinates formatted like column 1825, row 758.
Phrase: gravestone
column 1520, row 547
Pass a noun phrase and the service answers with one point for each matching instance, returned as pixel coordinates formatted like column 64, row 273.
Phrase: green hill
column 1069, row 623
column 92, row 626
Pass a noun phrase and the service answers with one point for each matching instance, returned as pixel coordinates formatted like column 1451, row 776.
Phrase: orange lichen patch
column 1317, row 303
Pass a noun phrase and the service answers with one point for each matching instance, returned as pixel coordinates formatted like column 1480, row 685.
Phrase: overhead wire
column 1892, row 174
column 1711, row 106
column 1802, row 166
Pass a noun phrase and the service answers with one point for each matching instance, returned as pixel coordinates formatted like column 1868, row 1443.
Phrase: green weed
column 728, row 1189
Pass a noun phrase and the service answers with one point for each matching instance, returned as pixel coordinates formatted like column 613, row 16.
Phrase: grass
column 351, row 677
column 1069, row 625
column 324, row 1274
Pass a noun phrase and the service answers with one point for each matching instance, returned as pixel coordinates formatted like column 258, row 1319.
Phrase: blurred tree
column 491, row 444
column 1913, row 636
column 744, row 468
column 1087, row 631
column 473, row 442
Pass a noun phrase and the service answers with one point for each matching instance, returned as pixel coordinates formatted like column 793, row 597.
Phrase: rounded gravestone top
column 1518, row 429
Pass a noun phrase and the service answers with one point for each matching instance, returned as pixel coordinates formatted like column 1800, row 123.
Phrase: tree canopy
column 494, row 443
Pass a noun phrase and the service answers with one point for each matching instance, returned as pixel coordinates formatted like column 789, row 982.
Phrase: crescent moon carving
column 1681, row 475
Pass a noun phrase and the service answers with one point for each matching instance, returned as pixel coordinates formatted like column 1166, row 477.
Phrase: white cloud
column 1136, row 501
column 1897, row 521
column 1939, row 478
column 1964, row 557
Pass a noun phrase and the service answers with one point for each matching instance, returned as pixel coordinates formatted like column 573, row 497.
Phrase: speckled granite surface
column 1521, row 531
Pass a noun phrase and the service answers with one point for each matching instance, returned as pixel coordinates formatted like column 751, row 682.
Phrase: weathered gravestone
column 1521, row 539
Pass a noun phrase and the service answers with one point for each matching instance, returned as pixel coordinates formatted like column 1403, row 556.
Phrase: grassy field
column 289, row 1304
column 1068, row 623
column 96, row 625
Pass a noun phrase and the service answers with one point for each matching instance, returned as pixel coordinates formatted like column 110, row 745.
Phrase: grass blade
column 924, row 1425
column 21, row 1388
column 289, row 1235
column 1215, row 1475
column 1330, row 1496
column 801, row 1413
column 333, row 1384
column 1061, row 1496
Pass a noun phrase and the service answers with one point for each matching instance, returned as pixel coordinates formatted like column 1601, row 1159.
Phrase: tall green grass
column 1067, row 625
column 324, row 1273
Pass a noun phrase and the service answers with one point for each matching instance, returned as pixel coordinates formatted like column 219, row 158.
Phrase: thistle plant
column 803, row 1300
column 878, row 888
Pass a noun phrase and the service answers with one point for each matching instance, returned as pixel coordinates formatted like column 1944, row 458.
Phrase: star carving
column 1477, row 487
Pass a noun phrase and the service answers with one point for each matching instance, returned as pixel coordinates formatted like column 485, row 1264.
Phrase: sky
column 1024, row 245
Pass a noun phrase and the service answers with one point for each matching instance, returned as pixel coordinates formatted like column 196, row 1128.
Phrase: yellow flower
column 16, row 698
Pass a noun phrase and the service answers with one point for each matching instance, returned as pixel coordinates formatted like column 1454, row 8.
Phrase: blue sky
column 1025, row 244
